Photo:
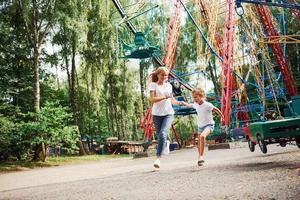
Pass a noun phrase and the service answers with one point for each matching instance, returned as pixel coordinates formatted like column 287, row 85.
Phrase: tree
column 37, row 18
column 16, row 88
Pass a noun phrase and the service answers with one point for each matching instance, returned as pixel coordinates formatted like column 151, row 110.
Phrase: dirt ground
column 235, row 174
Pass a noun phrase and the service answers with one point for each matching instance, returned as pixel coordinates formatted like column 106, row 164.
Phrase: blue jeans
column 162, row 125
column 210, row 126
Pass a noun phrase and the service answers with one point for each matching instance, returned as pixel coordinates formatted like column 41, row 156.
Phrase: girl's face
column 197, row 98
column 162, row 76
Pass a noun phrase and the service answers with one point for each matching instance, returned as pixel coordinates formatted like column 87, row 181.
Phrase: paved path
column 227, row 174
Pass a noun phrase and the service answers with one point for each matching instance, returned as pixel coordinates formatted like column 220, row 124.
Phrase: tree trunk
column 36, row 57
column 73, row 93
column 125, row 107
column 116, row 118
column 43, row 152
column 142, row 85
column 110, row 105
column 40, row 152
column 122, row 118
column 111, row 99
column 82, row 151
column 72, row 84
column 57, row 77
column 89, row 113
column 36, row 80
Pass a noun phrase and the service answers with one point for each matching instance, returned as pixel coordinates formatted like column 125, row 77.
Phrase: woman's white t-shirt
column 204, row 113
column 163, row 107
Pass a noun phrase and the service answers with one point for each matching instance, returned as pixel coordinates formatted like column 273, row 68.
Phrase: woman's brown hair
column 154, row 74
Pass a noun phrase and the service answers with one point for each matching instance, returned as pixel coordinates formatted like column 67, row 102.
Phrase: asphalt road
column 227, row 174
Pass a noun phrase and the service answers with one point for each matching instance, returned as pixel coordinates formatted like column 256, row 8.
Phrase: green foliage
column 293, row 28
column 52, row 128
column 16, row 86
column 186, row 126
column 6, row 140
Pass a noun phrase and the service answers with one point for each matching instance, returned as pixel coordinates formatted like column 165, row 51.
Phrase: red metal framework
column 147, row 124
column 204, row 12
column 295, row 11
column 269, row 28
column 227, row 64
column 172, row 37
column 169, row 60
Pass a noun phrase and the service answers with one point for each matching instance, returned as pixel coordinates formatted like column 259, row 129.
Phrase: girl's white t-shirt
column 204, row 113
column 163, row 107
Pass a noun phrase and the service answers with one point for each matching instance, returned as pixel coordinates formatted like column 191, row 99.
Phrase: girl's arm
column 216, row 110
column 175, row 102
column 153, row 98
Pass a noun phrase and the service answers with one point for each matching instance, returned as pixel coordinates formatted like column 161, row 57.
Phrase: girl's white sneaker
column 157, row 163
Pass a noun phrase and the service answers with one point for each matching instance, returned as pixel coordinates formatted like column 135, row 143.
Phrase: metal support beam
column 269, row 3
column 282, row 39
column 133, row 17
column 295, row 11
column 227, row 64
column 202, row 34
column 270, row 31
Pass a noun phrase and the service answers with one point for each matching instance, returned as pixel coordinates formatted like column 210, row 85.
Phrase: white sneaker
column 200, row 161
column 157, row 163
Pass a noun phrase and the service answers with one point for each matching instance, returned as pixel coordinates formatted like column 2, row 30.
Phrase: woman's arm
column 181, row 103
column 175, row 102
column 153, row 98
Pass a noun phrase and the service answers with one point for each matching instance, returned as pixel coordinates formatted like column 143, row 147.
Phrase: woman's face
column 162, row 76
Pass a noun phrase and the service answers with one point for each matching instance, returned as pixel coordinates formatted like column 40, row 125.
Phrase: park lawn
column 11, row 166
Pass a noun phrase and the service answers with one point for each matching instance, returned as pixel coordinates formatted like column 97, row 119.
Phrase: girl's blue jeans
column 162, row 125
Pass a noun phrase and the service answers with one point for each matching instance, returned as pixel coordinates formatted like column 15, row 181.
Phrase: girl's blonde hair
column 199, row 92
column 154, row 74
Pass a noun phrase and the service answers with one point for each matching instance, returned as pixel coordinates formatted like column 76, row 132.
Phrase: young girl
column 162, row 99
column 205, row 119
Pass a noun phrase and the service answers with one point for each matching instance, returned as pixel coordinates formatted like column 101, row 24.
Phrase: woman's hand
column 169, row 96
column 183, row 103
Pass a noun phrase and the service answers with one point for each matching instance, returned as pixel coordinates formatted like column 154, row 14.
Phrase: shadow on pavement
column 270, row 154
column 260, row 166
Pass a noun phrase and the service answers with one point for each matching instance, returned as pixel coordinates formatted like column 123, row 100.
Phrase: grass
column 11, row 166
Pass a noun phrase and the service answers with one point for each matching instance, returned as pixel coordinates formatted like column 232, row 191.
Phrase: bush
column 51, row 129
column 185, row 127
column 7, row 128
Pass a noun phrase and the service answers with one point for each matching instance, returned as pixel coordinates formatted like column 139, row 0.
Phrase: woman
column 162, row 99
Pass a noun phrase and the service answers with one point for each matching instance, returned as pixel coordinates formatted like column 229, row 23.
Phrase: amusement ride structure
column 255, row 76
